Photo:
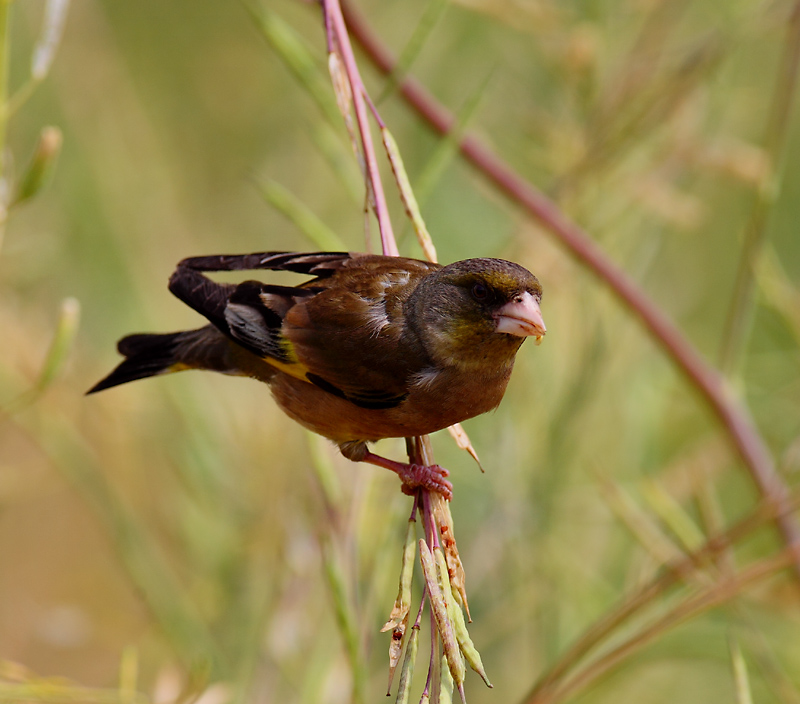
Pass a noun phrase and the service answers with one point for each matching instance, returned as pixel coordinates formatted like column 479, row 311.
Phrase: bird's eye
column 480, row 292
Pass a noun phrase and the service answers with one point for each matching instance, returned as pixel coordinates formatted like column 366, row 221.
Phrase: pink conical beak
column 521, row 317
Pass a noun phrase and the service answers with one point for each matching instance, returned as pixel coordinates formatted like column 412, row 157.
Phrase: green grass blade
column 300, row 214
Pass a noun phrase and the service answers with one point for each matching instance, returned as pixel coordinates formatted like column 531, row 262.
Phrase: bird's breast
column 451, row 395
column 436, row 400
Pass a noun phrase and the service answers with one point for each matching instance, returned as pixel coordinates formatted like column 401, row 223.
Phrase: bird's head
column 477, row 311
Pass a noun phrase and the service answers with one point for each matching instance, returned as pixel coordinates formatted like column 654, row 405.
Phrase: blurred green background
column 181, row 535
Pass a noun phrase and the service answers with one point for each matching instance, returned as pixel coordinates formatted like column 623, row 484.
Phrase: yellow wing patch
column 292, row 368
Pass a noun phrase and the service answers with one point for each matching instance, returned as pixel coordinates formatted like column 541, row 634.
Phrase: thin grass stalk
column 151, row 573
column 5, row 41
column 40, row 168
column 283, row 200
column 739, row 427
column 448, row 147
column 695, row 605
column 430, row 18
column 713, row 519
column 55, row 16
column 5, row 11
column 284, row 41
column 128, row 675
column 740, row 314
column 55, row 359
column 646, row 596
column 741, row 679
column 49, row 692
column 673, row 516
column 345, row 617
column 639, row 523
column 332, row 558
column 761, row 649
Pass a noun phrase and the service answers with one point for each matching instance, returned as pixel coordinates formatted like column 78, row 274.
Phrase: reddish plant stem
column 418, row 447
column 336, row 29
column 734, row 417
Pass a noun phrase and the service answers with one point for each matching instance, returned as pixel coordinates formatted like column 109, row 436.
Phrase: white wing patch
column 377, row 319
column 425, row 378
column 394, row 278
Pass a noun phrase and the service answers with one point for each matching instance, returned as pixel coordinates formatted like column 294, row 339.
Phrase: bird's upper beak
column 521, row 317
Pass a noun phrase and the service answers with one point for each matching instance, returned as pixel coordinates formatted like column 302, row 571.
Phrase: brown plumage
column 371, row 347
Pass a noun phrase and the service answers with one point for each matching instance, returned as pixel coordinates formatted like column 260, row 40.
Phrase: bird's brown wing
column 251, row 313
column 352, row 336
column 343, row 331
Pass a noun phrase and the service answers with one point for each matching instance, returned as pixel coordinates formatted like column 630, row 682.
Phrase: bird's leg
column 431, row 477
column 414, row 476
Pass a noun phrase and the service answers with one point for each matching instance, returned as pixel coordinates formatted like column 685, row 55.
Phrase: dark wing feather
column 254, row 316
column 364, row 398
column 339, row 331
column 251, row 313
column 319, row 264
column 207, row 297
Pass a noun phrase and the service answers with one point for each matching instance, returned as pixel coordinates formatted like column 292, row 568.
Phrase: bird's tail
column 153, row 354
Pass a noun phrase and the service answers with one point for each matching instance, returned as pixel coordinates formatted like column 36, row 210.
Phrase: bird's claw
column 414, row 476
column 430, row 477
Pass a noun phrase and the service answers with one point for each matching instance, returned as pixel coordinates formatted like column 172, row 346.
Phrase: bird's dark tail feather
column 146, row 355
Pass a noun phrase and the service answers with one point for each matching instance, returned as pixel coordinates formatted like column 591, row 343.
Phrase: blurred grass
column 182, row 517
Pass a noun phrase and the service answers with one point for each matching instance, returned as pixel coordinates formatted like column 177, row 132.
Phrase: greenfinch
column 371, row 347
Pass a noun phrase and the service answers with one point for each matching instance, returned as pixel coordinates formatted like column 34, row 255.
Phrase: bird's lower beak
column 521, row 317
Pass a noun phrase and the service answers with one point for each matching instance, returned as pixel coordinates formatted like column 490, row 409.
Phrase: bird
column 369, row 347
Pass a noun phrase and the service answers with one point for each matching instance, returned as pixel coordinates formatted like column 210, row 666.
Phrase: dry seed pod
column 41, row 166
column 464, row 443
column 396, row 650
column 468, row 649
column 344, row 100
column 403, row 602
column 407, row 194
column 446, row 689
column 447, row 537
column 451, row 650
column 407, row 672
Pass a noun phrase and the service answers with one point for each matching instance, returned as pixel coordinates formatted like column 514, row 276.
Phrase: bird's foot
column 430, row 477
column 415, row 476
